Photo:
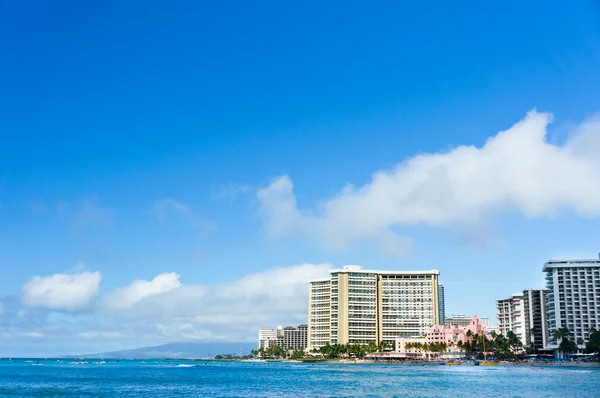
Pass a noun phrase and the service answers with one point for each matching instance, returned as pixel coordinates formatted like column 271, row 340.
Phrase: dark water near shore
column 222, row 379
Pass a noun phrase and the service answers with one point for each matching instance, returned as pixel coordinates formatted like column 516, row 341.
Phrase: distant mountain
column 176, row 350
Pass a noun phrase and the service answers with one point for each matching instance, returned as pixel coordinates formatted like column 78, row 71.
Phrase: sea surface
column 51, row 378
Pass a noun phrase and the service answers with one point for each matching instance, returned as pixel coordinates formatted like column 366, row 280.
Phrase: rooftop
column 590, row 263
column 360, row 269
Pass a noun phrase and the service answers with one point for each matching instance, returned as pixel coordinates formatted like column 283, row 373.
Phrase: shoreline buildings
column 571, row 300
column 573, row 297
column 511, row 316
column 442, row 304
column 457, row 320
column 535, row 319
column 288, row 338
column 449, row 334
column 355, row 305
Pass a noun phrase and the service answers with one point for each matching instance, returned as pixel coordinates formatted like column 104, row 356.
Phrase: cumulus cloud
column 271, row 294
column 163, row 308
column 61, row 292
column 128, row 296
column 517, row 169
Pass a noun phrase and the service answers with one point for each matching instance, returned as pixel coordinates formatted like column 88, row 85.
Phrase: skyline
column 173, row 172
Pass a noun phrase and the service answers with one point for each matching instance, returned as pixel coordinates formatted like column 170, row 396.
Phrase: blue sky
column 143, row 141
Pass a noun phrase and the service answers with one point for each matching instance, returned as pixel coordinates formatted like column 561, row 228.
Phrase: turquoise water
column 221, row 379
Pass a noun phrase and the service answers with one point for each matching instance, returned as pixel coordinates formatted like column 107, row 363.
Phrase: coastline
column 432, row 363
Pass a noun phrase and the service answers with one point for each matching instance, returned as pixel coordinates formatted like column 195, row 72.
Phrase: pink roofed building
column 450, row 335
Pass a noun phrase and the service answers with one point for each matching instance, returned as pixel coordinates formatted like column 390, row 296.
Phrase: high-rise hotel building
column 573, row 297
column 355, row 305
column 511, row 316
column 535, row 322
column 442, row 304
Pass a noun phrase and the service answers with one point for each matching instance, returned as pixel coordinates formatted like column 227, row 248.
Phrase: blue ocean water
column 126, row 378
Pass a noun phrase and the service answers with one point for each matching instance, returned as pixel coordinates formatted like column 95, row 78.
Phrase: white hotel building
column 355, row 305
column 511, row 316
column 573, row 297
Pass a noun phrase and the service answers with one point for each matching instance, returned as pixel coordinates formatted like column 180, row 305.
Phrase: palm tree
column 593, row 344
column 561, row 333
column 565, row 345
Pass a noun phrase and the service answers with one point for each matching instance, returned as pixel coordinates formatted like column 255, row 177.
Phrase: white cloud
column 197, row 254
column 61, row 292
column 163, row 309
column 280, row 291
column 168, row 208
column 101, row 335
column 175, row 311
column 162, row 207
column 128, row 296
column 516, row 169
column 91, row 213
column 33, row 335
column 231, row 191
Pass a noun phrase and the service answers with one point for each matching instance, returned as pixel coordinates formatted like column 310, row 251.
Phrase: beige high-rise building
column 355, row 305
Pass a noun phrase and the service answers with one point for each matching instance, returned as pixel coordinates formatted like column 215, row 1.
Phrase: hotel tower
column 573, row 298
column 355, row 305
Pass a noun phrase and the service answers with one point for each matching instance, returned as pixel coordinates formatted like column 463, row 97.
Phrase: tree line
column 568, row 345
column 356, row 350
column 500, row 346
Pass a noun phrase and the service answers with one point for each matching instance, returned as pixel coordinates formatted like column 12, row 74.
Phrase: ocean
column 51, row 378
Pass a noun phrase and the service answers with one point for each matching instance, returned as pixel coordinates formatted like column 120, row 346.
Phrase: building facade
column 441, row 304
column 511, row 316
column 319, row 313
column 573, row 297
column 288, row 338
column 536, row 325
column 269, row 337
column 458, row 320
column 295, row 338
column 449, row 334
column 360, row 306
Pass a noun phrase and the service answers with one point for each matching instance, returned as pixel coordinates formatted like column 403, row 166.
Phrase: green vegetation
column 278, row 352
column 497, row 345
column 231, row 357
column 427, row 347
column 297, row 355
column 355, row 350
column 566, row 346
column 593, row 344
